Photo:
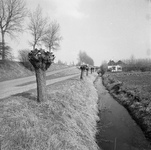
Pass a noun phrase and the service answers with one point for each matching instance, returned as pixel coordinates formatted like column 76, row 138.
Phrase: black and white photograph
column 75, row 74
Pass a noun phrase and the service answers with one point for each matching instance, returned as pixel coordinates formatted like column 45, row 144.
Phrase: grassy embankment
column 66, row 121
column 12, row 70
column 133, row 90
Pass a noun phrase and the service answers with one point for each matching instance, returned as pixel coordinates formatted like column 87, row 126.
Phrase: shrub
column 103, row 68
column 23, row 58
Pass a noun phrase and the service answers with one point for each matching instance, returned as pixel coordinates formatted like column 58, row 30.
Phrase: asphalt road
column 12, row 87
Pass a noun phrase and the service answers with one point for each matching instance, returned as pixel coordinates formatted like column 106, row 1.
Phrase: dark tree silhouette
column 92, row 69
column 41, row 61
column 8, row 51
column 83, row 68
column 87, row 70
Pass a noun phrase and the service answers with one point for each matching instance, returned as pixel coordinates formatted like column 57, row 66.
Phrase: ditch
column 117, row 130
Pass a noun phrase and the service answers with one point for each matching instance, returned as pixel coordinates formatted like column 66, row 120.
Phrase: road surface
column 12, row 87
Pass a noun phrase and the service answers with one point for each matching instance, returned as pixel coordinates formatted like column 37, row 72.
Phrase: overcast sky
column 104, row 29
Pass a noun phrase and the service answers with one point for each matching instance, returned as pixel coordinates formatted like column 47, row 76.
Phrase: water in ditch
column 117, row 130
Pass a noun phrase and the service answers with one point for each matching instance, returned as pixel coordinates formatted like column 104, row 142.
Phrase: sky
column 104, row 29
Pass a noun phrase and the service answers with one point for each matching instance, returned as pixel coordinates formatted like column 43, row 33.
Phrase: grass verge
column 66, row 121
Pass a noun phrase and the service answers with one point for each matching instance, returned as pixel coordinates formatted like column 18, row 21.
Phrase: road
column 12, row 87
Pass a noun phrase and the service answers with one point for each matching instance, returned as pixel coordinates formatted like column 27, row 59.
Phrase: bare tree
column 52, row 37
column 39, row 58
column 37, row 26
column 12, row 14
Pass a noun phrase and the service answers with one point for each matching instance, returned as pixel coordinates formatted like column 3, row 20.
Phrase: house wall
column 115, row 68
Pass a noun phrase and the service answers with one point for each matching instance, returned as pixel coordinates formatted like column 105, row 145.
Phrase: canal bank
column 117, row 130
column 134, row 98
column 66, row 121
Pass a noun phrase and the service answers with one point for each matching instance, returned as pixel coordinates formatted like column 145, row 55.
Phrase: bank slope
column 13, row 70
column 135, row 101
column 67, row 121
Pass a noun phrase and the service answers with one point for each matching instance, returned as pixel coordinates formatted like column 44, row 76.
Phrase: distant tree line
column 84, row 58
column 137, row 65
column 131, row 64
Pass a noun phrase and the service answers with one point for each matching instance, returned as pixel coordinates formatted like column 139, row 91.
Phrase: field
column 138, row 82
column 133, row 90
column 137, row 79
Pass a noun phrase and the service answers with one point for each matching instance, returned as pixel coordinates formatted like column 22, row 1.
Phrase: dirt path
column 11, row 87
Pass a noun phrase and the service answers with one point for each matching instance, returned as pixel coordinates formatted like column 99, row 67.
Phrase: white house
column 115, row 67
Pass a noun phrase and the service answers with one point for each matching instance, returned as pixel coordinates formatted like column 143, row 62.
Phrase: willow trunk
column 3, row 47
column 87, row 72
column 81, row 75
column 41, row 85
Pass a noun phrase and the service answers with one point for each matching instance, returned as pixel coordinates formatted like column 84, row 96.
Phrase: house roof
column 119, row 62
column 111, row 63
